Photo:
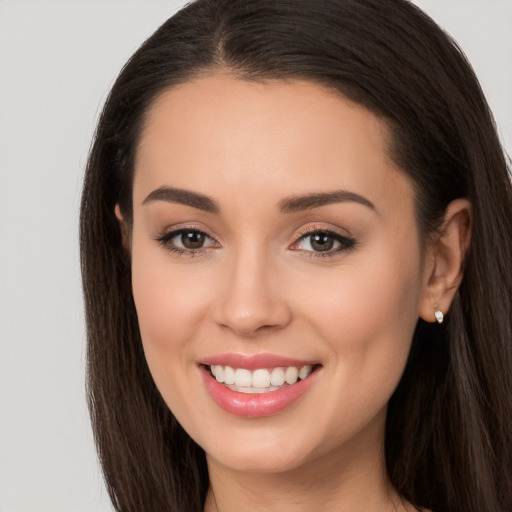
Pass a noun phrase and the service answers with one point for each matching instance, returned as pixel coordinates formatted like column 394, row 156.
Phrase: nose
column 251, row 300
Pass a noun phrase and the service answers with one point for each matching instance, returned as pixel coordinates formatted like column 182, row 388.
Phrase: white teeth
column 291, row 375
column 229, row 375
column 253, row 390
column 260, row 380
column 304, row 372
column 277, row 377
column 243, row 377
column 219, row 373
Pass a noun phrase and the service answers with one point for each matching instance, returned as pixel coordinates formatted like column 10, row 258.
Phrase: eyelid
column 322, row 227
column 166, row 235
column 346, row 240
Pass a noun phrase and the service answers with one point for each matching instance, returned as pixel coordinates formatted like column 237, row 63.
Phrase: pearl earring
column 438, row 314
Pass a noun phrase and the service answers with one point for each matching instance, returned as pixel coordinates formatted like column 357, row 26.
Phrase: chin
column 273, row 458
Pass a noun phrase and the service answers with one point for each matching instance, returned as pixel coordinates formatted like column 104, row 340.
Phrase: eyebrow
column 315, row 200
column 186, row 197
column 288, row 205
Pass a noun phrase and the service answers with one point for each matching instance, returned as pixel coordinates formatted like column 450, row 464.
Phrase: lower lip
column 255, row 404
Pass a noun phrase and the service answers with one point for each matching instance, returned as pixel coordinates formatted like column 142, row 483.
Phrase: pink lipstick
column 256, row 385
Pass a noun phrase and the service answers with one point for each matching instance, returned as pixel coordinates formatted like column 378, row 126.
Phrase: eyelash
column 165, row 240
column 346, row 243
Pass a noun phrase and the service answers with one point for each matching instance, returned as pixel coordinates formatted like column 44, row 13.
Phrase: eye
column 190, row 239
column 186, row 240
column 323, row 242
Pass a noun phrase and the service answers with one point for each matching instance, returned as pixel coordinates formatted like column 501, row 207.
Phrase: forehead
column 220, row 133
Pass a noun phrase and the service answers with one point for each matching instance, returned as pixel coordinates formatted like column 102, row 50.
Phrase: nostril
column 247, row 330
column 249, row 302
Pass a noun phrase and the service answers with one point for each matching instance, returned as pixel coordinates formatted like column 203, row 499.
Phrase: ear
column 125, row 233
column 444, row 260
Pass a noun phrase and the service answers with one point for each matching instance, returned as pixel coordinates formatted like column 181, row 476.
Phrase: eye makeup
column 320, row 242
column 187, row 241
column 314, row 242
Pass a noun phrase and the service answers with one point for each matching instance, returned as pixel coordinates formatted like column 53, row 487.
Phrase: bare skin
column 232, row 266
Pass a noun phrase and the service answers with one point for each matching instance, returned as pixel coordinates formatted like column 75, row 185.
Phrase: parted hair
column 448, row 442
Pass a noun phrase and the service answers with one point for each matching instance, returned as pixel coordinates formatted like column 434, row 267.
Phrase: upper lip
column 254, row 361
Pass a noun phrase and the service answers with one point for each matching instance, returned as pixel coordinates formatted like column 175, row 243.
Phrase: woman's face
column 273, row 236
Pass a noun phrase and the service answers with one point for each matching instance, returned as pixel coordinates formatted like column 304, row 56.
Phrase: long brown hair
column 449, row 425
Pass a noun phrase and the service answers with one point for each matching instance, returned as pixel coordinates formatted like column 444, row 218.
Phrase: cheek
column 368, row 316
column 379, row 294
column 384, row 304
column 165, row 303
column 170, row 304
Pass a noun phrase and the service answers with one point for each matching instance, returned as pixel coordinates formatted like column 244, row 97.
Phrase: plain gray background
column 57, row 62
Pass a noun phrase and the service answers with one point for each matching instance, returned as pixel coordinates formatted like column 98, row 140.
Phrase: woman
column 296, row 233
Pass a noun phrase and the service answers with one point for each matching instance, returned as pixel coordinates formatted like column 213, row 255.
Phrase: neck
column 344, row 480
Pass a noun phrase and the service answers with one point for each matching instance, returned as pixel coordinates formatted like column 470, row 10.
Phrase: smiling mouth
column 261, row 380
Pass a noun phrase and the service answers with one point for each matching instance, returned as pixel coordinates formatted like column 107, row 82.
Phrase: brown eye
column 192, row 239
column 321, row 242
column 187, row 241
column 325, row 243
